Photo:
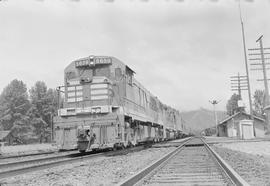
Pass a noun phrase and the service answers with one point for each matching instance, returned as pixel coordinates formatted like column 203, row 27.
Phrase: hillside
column 200, row 119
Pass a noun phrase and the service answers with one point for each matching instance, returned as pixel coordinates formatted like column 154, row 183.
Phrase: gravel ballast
column 101, row 171
column 255, row 169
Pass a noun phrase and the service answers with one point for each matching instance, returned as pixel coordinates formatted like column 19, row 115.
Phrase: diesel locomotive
column 106, row 107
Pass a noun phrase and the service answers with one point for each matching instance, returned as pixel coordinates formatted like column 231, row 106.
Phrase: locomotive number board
column 93, row 61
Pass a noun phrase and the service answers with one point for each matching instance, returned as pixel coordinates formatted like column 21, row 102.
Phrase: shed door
column 247, row 131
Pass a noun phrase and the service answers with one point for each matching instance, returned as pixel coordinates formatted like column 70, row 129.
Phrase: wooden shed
column 241, row 125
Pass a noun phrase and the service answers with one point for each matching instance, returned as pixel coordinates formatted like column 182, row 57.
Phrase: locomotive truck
column 106, row 107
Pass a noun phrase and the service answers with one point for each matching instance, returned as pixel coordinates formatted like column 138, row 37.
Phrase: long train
column 106, row 107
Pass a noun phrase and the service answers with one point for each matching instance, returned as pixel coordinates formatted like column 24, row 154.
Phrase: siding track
column 21, row 167
column 193, row 163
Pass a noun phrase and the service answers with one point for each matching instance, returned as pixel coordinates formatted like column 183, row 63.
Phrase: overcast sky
column 184, row 52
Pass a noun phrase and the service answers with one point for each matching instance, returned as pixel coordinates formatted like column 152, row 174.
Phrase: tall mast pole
column 246, row 63
column 214, row 103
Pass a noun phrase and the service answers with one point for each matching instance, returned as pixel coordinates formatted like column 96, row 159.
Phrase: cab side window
column 129, row 79
column 118, row 73
column 129, row 75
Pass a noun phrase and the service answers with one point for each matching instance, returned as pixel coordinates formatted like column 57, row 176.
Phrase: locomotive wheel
column 94, row 150
column 114, row 147
column 122, row 146
column 130, row 145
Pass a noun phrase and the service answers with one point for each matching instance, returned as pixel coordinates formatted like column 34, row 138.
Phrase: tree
column 14, row 106
column 43, row 108
column 259, row 102
column 232, row 105
column 210, row 131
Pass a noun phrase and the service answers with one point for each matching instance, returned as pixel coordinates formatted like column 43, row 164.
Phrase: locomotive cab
column 90, row 107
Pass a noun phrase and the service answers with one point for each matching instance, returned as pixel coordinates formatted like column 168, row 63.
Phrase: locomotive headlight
column 127, row 124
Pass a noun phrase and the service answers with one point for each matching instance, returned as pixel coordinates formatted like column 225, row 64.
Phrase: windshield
column 88, row 73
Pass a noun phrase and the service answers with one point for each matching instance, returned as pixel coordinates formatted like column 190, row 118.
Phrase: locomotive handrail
column 133, row 102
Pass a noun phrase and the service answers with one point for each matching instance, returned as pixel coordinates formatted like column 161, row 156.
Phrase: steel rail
column 35, row 160
column 37, row 167
column 236, row 178
column 2, row 157
column 152, row 169
column 133, row 179
column 67, row 159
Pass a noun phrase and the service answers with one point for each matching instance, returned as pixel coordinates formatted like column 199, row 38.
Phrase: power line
column 239, row 83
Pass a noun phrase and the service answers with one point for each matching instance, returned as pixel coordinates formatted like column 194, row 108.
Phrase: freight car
column 106, row 107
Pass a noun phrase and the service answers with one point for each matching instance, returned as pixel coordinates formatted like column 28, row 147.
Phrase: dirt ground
column 102, row 171
column 26, row 149
column 261, row 148
column 251, row 160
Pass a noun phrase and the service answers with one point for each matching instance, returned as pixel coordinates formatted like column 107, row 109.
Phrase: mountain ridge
column 197, row 120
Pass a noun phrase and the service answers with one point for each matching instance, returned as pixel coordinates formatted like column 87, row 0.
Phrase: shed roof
column 236, row 114
column 4, row 133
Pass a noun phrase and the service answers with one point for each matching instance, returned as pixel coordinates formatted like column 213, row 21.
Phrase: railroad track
column 17, row 158
column 21, row 167
column 25, row 155
column 192, row 163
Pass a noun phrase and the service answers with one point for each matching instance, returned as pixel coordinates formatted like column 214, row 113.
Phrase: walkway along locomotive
column 105, row 107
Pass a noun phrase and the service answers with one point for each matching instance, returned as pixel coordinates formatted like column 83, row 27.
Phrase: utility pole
column 265, row 81
column 264, row 71
column 262, row 65
column 214, row 103
column 239, row 83
column 246, row 63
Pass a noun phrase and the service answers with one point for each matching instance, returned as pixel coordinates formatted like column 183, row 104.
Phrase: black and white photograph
column 134, row 92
